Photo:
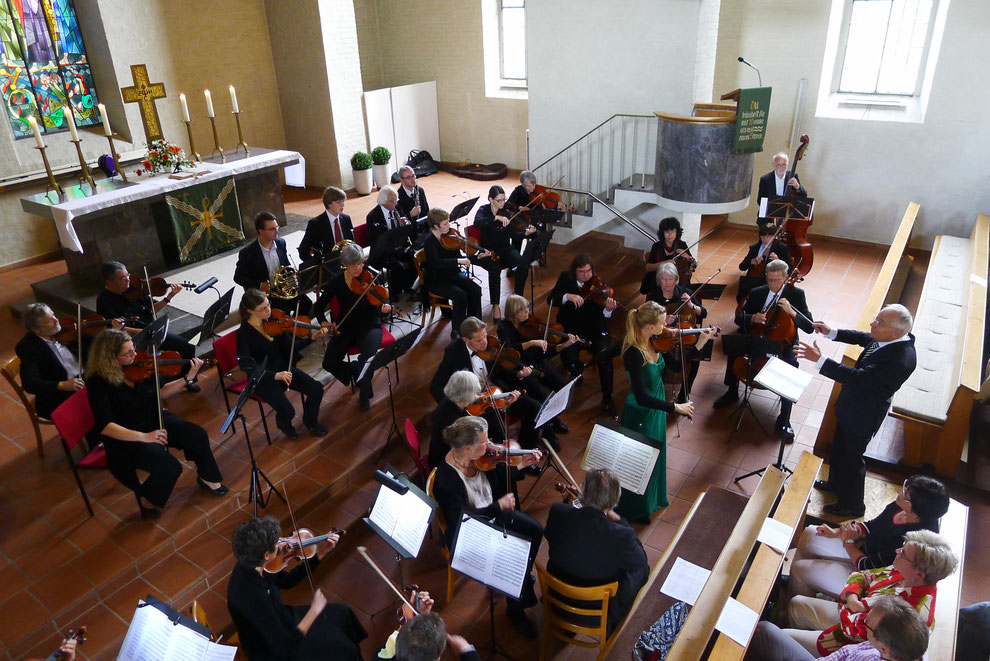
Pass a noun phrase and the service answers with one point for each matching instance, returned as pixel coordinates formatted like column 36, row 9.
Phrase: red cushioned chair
column 361, row 236
column 74, row 419
column 412, row 443
column 354, row 350
column 225, row 352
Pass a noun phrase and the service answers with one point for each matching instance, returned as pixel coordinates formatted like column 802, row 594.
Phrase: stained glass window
column 43, row 66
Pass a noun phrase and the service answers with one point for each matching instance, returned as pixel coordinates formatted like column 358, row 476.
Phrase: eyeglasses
column 902, row 552
column 500, row 200
column 268, row 229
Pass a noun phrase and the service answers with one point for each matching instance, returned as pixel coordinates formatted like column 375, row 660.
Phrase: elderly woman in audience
column 923, row 560
column 826, row 555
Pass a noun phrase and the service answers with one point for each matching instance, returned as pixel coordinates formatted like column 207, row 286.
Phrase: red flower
column 146, row 164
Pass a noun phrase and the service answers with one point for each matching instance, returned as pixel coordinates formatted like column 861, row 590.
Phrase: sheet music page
column 775, row 534
column 215, row 652
column 385, row 512
column 185, row 644
column 556, row 404
column 603, row 448
column 784, row 379
column 148, row 636
column 763, row 207
column 631, row 461
column 685, row 581
column 472, row 550
column 737, row 621
column 508, row 569
column 413, row 522
column 491, row 558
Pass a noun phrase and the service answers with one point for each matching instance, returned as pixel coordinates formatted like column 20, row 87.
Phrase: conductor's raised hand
column 808, row 351
column 822, row 327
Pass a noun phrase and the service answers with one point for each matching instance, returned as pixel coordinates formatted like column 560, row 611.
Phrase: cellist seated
column 767, row 249
column 758, row 309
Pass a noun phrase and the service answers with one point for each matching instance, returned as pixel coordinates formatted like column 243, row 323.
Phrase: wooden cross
column 145, row 92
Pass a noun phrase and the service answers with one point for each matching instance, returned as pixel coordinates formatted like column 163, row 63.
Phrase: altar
column 129, row 222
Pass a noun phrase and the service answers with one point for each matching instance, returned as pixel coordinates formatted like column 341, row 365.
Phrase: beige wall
column 188, row 45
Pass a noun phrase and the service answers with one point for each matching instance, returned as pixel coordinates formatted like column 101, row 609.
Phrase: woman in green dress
column 646, row 409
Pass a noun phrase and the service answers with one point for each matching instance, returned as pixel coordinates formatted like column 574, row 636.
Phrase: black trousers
column 125, row 457
column 401, row 273
column 847, row 468
column 785, row 404
column 464, row 295
column 494, row 269
column 334, row 361
column 606, row 371
column 273, row 393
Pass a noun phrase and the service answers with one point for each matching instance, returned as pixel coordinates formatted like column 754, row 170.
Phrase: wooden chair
column 11, row 371
column 442, row 523
column 558, row 614
column 430, row 300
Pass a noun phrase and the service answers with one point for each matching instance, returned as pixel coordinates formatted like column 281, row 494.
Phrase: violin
column 280, row 323
column 570, row 493
column 454, row 240
column 508, row 358
column 138, row 288
column 512, row 455
column 598, row 292
column 79, row 636
column 760, row 270
column 364, row 284
column 91, row 327
column 299, row 546
column 534, row 329
column 545, row 196
column 668, row 337
column 490, row 398
column 170, row 364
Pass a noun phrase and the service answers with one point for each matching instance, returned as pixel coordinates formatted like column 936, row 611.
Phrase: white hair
column 383, row 194
column 668, row 268
column 902, row 321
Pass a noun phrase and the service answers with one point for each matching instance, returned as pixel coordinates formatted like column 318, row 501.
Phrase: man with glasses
column 259, row 260
column 887, row 360
column 779, row 182
column 398, row 260
column 49, row 369
column 412, row 200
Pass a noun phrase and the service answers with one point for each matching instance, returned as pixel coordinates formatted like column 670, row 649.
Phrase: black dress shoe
column 365, row 405
column 785, row 430
column 318, row 429
column 730, row 397
column 192, row 386
column 150, row 512
column 560, row 427
column 219, row 491
column 825, row 485
column 289, row 431
column 846, row 511
column 521, row 623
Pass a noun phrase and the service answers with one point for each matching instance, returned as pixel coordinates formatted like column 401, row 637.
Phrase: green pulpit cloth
column 206, row 219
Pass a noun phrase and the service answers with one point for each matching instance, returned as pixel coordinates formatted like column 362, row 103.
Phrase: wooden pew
column 942, row 644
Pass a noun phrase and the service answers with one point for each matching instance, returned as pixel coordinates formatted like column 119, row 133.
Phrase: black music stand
column 390, row 242
column 152, row 335
column 463, row 209
column 215, row 315
column 753, row 347
column 537, row 246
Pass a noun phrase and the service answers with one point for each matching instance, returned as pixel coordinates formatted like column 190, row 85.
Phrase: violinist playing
column 462, row 488
column 542, row 205
column 125, row 413
column 255, row 344
column 270, row 630
column 442, row 272
column 359, row 323
column 49, row 369
column 670, row 295
column 755, row 311
column 646, row 408
column 111, row 303
column 462, row 390
column 670, row 248
column 587, row 320
column 504, row 240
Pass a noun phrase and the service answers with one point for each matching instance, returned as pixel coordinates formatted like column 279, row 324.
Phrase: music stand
column 254, row 495
column 538, row 245
column 215, row 315
column 390, row 242
column 463, row 209
column 753, row 347
column 151, row 335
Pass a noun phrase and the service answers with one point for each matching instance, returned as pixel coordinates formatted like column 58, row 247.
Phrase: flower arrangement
column 163, row 155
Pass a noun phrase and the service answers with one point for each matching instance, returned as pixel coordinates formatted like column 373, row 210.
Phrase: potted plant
column 361, row 165
column 382, row 158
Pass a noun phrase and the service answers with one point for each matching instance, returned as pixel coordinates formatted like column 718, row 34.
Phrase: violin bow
column 498, row 416
column 292, row 344
column 79, row 329
column 295, row 529
column 364, row 554
column 688, row 249
column 560, row 464
column 154, row 353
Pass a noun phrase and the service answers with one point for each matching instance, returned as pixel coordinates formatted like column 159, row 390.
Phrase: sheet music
column 555, row 404
column 737, row 621
column 490, row 557
column 685, row 581
column 775, row 534
column 404, row 518
column 216, row 652
column 152, row 636
column 784, row 379
column 631, row 461
column 763, row 207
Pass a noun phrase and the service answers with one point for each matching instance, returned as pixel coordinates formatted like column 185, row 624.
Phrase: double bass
column 796, row 229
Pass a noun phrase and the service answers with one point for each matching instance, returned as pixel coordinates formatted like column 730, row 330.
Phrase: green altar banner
column 206, row 219
column 751, row 119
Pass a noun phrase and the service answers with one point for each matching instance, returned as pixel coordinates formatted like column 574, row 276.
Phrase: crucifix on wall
column 144, row 92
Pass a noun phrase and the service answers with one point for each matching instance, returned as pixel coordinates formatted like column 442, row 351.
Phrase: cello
column 779, row 326
column 796, row 229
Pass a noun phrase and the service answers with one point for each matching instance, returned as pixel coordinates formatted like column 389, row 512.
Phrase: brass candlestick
column 192, row 145
column 216, row 141
column 84, row 169
column 116, row 160
column 52, row 184
column 240, row 136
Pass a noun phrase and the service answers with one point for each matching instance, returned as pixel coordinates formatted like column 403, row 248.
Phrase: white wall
column 863, row 173
column 590, row 60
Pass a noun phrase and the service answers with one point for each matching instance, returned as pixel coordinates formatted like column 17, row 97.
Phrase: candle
column 106, row 122
column 37, row 134
column 72, row 123
column 233, row 99
column 185, row 108
column 209, row 104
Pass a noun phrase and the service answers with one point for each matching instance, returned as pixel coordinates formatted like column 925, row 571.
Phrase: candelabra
column 52, row 184
column 216, row 141
column 116, row 160
column 240, row 135
column 192, row 145
column 85, row 175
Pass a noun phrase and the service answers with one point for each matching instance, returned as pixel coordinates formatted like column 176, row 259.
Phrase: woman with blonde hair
column 646, row 409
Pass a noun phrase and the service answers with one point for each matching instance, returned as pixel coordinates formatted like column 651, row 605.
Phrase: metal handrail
column 586, row 135
column 608, row 206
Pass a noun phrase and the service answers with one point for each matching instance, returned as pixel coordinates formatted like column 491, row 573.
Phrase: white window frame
column 877, row 107
column 496, row 85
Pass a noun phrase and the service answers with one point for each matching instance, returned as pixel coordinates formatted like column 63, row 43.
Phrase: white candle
column 185, row 108
column 209, row 104
column 233, row 99
column 106, row 121
column 37, row 134
column 72, row 123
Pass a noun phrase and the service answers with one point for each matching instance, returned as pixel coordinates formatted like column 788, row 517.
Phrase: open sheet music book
column 153, row 636
column 628, row 454
column 784, row 379
column 494, row 558
column 402, row 521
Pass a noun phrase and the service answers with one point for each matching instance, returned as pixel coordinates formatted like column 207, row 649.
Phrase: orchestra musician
column 125, row 413
column 767, row 249
column 259, row 261
column 49, row 369
column 135, row 315
column 592, row 545
column 535, row 353
column 399, row 262
column 668, row 292
column 545, row 209
column 323, row 232
column 271, row 630
column 358, row 324
column 645, row 408
column 254, row 345
column 462, row 354
column 424, row 638
column 412, row 201
column 779, row 182
column 665, row 250
column 461, row 488
column 443, row 275
column 504, row 241
column 794, row 304
column 586, row 320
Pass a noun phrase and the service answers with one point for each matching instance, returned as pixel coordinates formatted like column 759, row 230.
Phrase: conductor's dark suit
column 252, row 270
column 587, row 548
column 41, row 373
column 867, row 389
column 768, row 186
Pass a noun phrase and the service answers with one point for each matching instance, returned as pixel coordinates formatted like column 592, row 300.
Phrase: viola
column 545, row 196
column 508, row 358
column 364, row 284
column 597, row 292
column 170, row 365
column 570, row 493
column 280, row 322
column 512, row 455
column 79, row 636
column 491, row 398
column 138, row 288
column 760, row 270
column 92, row 325
column 454, row 240
column 299, row 546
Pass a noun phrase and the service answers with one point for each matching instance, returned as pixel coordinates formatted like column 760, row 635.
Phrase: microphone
column 206, row 285
column 748, row 64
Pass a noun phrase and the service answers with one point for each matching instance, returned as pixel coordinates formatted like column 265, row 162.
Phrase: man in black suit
column 792, row 303
column 424, row 637
column 412, row 201
column 776, row 182
column 322, row 233
column 766, row 249
column 461, row 354
column 592, row 545
column 259, row 260
column 888, row 359
column 49, row 370
column 381, row 220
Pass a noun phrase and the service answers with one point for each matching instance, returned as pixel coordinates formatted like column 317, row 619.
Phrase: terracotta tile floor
column 60, row 569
